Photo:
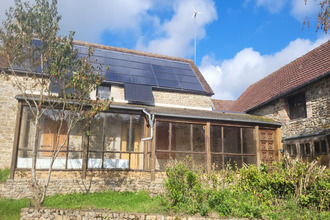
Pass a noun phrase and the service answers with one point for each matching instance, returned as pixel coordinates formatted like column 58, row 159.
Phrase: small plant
column 4, row 174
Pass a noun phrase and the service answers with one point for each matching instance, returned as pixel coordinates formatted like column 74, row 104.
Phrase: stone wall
column 317, row 108
column 64, row 182
column 169, row 99
column 8, row 111
column 67, row 214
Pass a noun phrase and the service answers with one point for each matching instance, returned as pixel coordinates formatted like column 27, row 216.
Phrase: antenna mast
column 195, row 17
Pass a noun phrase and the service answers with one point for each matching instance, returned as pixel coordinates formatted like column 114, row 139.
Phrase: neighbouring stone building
column 298, row 95
column 161, row 110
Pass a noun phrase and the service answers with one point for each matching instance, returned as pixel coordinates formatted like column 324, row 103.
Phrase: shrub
column 184, row 189
column 250, row 192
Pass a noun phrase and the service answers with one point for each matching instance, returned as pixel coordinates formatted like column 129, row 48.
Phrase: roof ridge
column 130, row 51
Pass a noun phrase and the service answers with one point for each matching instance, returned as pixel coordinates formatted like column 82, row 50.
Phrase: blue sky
column 238, row 42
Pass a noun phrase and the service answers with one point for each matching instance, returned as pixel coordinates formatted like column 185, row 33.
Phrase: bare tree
column 37, row 59
column 323, row 16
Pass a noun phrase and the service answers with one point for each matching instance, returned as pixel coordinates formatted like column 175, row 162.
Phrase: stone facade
column 8, row 112
column 67, row 214
column 169, row 99
column 64, row 182
column 317, row 109
column 182, row 100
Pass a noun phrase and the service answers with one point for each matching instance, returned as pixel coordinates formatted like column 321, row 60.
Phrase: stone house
column 298, row 95
column 161, row 109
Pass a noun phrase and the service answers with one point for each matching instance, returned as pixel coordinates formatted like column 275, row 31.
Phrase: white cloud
column 177, row 34
column 230, row 78
column 90, row 18
column 273, row 6
column 300, row 10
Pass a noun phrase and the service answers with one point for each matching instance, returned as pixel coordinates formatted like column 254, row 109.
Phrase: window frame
column 297, row 106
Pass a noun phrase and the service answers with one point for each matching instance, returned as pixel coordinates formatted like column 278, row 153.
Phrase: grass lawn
column 11, row 208
column 115, row 201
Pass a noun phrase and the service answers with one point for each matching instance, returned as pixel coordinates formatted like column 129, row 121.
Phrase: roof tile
column 314, row 64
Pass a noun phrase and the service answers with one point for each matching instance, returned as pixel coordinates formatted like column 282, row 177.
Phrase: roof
column 293, row 76
column 222, row 105
column 181, row 113
column 167, row 61
column 137, row 67
column 198, row 114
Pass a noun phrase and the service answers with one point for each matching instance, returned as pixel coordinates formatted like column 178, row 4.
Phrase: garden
column 288, row 189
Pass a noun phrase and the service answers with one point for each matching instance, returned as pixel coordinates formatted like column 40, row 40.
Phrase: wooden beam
column 16, row 140
column 223, row 148
column 241, row 142
column 208, row 146
column 278, row 144
column 153, row 154
column 85, row 154
column 146, row 143
column 257, row 141
column 130, row 140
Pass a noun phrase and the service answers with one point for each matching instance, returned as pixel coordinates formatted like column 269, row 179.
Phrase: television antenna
column 195, row 17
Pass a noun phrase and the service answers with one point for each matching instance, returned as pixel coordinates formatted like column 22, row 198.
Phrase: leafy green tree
column 35, row 56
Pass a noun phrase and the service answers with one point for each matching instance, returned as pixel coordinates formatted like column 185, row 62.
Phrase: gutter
column 217, row 119
column 321, row 133
column 151, row 118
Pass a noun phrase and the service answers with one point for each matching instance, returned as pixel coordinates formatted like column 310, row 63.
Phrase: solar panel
column 143, row 70
column 138, row 93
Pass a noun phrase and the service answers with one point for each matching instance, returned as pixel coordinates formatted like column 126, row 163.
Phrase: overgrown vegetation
column 288, row 189
column 4, row 174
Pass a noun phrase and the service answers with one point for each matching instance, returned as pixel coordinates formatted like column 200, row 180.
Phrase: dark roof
column 181, row 113
column 198, row 114
column 300, row 72
column 136, row 67
column 185, row 71
column 222, row 105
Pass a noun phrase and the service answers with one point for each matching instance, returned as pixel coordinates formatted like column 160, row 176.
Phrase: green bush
column 184, row 189
column 4, row 174
column 250, row 192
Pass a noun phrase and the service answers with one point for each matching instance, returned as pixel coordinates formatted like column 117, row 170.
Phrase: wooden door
column 50, row 137
column 132, row 147
column 267, row 146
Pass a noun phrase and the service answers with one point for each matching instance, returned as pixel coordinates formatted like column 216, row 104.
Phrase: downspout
column 151, row 123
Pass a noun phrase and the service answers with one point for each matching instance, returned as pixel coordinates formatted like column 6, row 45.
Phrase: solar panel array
column 143, row 70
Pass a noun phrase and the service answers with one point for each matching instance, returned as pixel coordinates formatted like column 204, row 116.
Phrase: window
column 291, row 149
column 114, row 142
column 232, row 145
column 297, row 106
column 103, row 92
column 320, row 147
column 178, row 140
column 305, row 149
column 52, row 138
